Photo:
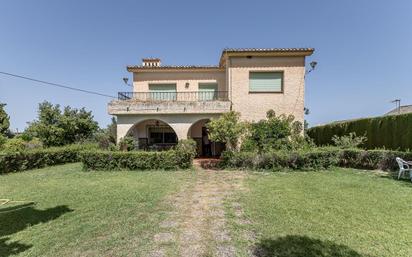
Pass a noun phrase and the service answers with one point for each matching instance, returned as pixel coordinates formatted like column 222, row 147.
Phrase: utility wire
column 56, row 85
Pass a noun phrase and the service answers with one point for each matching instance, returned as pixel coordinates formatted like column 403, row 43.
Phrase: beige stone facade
column 186, row 109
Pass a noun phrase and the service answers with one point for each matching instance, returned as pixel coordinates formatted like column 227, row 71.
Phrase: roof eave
column 275, row 53
column 175, row 69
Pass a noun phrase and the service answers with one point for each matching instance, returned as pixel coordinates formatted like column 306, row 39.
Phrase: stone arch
column 205, row 147
column 153, row 133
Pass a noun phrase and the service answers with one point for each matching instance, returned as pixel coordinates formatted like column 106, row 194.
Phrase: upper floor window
column 266, row 81
column 207, row 91
column 162, row 91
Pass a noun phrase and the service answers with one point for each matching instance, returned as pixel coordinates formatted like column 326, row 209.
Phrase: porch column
column 181, row 129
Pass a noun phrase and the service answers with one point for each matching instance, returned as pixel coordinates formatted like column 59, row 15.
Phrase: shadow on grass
column 302, row 246
column 18, row 218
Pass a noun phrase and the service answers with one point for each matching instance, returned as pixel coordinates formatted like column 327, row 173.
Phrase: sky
column 363, row 48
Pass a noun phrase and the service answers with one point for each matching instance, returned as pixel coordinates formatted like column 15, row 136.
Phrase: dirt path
column 198, row 225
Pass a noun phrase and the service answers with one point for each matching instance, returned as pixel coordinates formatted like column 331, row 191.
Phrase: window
column 162, row 91
column 162, row 135
column 266, row 82
column 207, row 91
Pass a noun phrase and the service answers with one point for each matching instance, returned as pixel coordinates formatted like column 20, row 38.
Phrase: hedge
column 39, row 158
column 135, row 160
column 321, row 158
column 389, row 132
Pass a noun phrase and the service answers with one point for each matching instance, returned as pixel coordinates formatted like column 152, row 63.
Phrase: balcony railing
column 193, row 96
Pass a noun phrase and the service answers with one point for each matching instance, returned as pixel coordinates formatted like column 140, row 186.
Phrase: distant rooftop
column 402, row 110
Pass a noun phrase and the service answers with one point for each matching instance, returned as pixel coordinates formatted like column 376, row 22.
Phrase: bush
column 275, row 133
column 349, row 141
column 390, row 132
column 187, row 152
column 127, row 143
column 277, row 160
column 134, row 160
column 18, row 144
column 39, row 158
column 320, row 158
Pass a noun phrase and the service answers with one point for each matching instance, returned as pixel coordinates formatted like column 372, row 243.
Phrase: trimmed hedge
column 321, row 158
column 389, row 132
column 34, row 159
column 135, row 160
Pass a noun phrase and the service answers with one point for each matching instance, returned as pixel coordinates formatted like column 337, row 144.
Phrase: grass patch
column 83, row 213
column 341, row 212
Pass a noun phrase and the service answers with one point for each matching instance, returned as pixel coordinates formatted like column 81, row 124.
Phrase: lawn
column 83, row 213
column 341, row 212
column 335, row 213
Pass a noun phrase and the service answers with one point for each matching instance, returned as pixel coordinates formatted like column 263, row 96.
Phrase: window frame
column 268, row 92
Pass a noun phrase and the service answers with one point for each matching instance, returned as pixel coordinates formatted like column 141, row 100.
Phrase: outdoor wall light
column 313, row 64
column 187, row 85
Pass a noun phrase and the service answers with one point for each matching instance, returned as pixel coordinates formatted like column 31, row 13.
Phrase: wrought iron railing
column 174, row 96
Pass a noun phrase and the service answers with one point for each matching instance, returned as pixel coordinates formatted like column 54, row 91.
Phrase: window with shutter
column 266, row 82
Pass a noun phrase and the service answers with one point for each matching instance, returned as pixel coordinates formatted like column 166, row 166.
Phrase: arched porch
column 153, row 134
column 205, row 147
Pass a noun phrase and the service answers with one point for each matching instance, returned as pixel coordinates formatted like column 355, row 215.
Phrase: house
column 400, row 110
column 169, row 102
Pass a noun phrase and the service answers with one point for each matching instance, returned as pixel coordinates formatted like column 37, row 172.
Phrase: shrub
column 38, row 158
column 349, row 141
column 276, row 160
column 127, row 143
column 275, row 133
column 187, row 151
column 134, row 160
column 319, row 158
column 389, row 132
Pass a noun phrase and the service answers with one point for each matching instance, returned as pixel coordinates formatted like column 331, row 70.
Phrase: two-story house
column 169, row 103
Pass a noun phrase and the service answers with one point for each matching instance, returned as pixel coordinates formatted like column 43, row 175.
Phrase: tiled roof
column 268, row 50
column 226, row 51
column 173, row 67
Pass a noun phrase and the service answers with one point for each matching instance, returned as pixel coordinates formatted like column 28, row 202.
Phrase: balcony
column 170, row 102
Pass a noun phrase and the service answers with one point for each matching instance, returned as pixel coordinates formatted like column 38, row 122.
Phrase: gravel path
column 198, row 226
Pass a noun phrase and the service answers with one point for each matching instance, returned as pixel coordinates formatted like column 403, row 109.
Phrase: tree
column 112, row 130
column 56, row 128
column 227, row 129
column 4, row 120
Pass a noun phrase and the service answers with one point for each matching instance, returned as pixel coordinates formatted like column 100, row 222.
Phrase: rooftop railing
column 192, row 96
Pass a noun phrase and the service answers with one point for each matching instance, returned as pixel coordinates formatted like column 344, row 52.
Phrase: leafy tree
column 4, row 120
column 56, row 128
column 227, row 129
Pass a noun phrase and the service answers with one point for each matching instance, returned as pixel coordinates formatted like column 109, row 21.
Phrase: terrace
column 170, row 102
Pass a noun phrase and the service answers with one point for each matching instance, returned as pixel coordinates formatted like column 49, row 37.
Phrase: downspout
column 228, row 65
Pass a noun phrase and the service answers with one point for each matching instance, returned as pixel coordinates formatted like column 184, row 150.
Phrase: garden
column 68, row 189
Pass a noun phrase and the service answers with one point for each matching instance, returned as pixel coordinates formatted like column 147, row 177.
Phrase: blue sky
column 364, row 48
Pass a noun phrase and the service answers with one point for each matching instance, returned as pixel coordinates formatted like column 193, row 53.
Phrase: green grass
column 83, row 213
column 341, row 212
column 335, row 213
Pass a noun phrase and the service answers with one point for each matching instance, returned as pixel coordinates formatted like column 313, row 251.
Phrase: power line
column 55, row 84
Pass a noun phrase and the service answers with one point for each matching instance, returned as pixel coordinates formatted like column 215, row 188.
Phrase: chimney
column 151, row 62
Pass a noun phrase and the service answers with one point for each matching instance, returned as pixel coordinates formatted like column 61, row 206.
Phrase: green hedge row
column 321, row 158
column 389, row 132
column 135, row 160
column 34, row 159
